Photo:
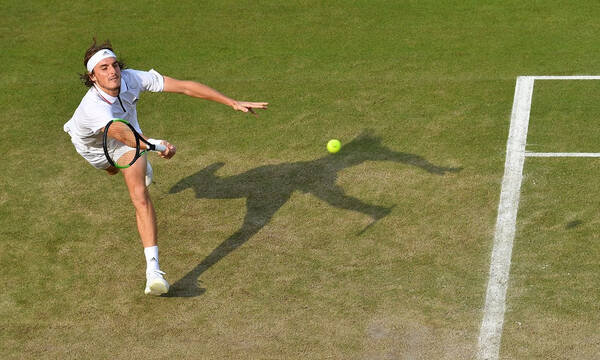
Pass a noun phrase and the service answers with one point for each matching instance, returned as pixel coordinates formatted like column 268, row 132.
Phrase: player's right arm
column 123, row 134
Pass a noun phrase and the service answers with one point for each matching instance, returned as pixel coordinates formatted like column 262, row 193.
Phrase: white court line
column 568, row 77
column 493, row 318
column 535, row 154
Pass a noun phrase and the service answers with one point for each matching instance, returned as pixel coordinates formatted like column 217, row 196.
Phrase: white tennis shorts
column 95, row 156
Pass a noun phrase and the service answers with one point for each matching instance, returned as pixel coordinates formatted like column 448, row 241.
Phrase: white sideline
column 535, row 154
column 493, row 318
column 567, row 77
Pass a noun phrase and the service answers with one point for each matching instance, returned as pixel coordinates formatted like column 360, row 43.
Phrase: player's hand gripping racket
column 127, row 135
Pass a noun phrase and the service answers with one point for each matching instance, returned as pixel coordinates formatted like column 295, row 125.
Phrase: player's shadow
column 267, row 188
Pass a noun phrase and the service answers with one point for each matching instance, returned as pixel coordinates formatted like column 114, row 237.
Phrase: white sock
column 149, row 174
column 151, row 254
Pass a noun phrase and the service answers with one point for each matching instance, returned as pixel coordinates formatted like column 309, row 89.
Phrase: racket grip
column 158, row 146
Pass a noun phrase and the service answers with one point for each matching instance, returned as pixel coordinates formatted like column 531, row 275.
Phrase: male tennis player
column 114, row 93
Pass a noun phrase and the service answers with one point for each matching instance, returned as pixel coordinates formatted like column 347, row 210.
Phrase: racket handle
column 159, row 147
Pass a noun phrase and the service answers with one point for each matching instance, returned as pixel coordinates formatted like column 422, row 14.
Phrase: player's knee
column 140, row 197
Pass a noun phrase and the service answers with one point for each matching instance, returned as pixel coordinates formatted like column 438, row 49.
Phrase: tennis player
column 113, row 93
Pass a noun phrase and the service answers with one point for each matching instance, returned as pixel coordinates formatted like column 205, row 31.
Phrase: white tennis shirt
column 97, row 108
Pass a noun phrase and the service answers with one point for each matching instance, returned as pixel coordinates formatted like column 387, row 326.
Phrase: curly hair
column 94, row 48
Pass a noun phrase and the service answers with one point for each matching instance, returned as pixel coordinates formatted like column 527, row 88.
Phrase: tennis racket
column 133, row 139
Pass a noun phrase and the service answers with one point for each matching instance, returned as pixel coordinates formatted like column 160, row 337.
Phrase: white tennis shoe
column 155, row 283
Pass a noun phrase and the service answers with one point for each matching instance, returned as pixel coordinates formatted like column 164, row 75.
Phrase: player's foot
column 156, row 283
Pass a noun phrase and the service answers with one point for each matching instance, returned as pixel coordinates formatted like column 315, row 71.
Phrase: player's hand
column 169, row 152
column 245, row 106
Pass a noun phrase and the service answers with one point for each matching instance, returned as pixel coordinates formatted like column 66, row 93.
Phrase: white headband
column 97, row 57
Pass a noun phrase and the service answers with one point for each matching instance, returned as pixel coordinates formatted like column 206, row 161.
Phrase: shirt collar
column 109, row 98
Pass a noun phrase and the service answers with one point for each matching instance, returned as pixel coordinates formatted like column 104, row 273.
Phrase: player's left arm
column 201, row 91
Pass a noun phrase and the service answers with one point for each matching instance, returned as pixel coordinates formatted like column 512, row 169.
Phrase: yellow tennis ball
column 334, row 146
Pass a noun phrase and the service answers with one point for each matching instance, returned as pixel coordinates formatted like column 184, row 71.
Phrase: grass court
column 276, row 249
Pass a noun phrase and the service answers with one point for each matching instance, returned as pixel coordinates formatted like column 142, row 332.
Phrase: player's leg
column 144, row 210
column 146, row 222
column 111, row 170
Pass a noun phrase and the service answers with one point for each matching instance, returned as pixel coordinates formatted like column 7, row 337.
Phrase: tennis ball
column 334, row 146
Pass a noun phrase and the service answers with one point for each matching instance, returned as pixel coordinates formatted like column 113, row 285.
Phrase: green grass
column 555, row 267
column 434, row 79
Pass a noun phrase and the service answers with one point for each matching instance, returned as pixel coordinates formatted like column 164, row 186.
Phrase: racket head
column 115, row 149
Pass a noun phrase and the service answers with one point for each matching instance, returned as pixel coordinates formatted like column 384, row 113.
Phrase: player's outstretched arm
column 123, row 134
column 201, row 91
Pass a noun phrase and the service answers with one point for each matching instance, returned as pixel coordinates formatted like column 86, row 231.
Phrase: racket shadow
column 267, row 188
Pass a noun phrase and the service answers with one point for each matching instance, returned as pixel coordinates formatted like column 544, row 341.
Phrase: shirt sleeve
column 148, row 80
